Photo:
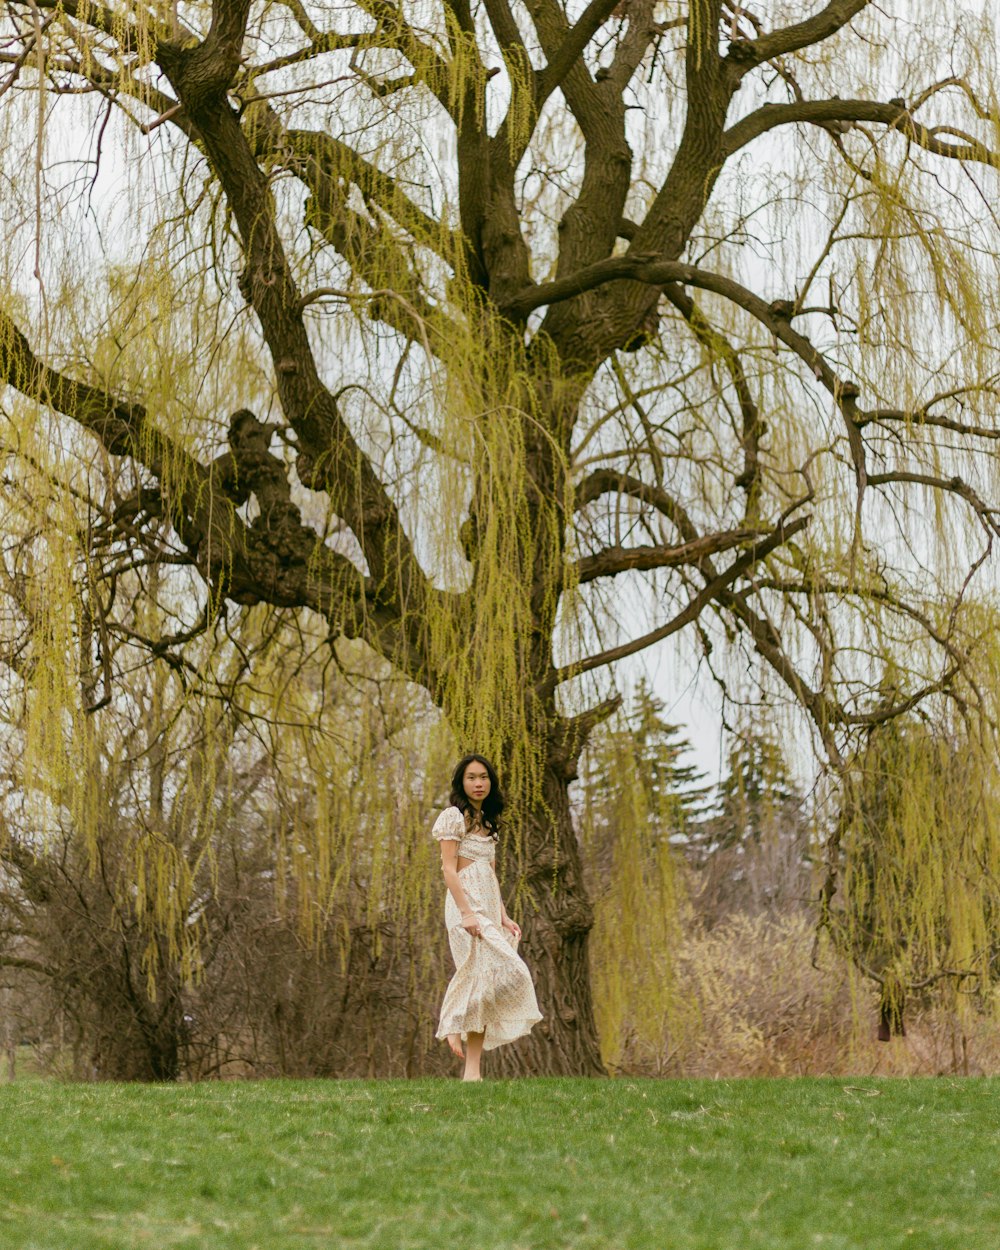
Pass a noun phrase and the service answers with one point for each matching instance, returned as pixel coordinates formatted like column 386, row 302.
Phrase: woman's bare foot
column 455, row 1042
column 472, row 1078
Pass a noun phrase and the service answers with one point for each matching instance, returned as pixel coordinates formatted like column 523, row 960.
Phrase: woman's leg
column 455, row 1042
column 473, row 1051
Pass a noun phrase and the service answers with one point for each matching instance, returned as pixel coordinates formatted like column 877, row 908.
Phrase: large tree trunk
column 554, row 944
column 135, row 1037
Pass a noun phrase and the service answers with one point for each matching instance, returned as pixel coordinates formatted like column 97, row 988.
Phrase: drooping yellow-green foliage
column 921, row 850
column 629, row 827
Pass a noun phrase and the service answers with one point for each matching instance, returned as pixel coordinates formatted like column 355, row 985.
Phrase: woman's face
column 476, row 781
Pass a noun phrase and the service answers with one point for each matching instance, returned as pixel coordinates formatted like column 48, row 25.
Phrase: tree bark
column 135, row 1037
column 555, row 928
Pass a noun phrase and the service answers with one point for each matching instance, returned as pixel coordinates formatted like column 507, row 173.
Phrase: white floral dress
column 491, row 991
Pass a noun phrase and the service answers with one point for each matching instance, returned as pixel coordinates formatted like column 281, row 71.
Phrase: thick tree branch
column 512, row 48
column 329, row 457
column 660, row 272
column 714, row 589
column 322, row 162
column 473, row 144
column 123, row 429
column 614, row 560
column 745, row 54
column 286, row 566
column 608, row 481
column 572, row 732
column 823, row 112
column 566, row 55
column 576, row 83
column 339, row 161
column 636, row 266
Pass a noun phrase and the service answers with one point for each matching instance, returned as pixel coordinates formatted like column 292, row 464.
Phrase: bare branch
column 611, row 561
column 745, row 54
column 329, row 456
column 563, row 59
column 990, row 517
column 823, row 711
column 823, row 112
column 221, row 546
column 714, row 589
column 607, row 481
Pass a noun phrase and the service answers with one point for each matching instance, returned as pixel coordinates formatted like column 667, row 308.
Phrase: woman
column 490, row 999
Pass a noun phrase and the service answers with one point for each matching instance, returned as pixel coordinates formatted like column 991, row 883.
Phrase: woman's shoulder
column 449, row 820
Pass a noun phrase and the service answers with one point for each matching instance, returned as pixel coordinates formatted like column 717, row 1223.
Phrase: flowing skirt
column 491, row 991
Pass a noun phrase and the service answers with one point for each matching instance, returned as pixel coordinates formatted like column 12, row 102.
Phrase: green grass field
column 536, row 1164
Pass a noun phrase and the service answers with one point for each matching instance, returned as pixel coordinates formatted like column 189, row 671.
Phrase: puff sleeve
column 449, row 825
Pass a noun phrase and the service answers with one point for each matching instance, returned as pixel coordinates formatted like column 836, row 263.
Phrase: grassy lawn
column 504, row 1165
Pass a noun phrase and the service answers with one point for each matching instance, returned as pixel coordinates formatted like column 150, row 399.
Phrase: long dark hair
column 494, row 802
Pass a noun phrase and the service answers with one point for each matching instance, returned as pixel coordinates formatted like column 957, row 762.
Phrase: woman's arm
column 449, row 867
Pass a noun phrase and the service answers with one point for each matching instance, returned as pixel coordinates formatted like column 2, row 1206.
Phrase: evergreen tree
column 753, row 850
column 755, row 791
column 634, row 773
column 676, row 798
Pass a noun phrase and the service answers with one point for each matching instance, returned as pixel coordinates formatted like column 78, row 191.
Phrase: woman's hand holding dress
column 491, row 991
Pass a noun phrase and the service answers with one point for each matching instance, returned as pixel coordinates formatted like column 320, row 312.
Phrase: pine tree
column 753, row 850
column 634, row 772
column 755, row 791
column 676, row 798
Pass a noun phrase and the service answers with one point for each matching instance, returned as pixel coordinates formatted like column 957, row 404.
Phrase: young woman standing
column 491, row 998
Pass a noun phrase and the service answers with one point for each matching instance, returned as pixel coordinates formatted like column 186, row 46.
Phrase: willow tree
column 921, row 868
column 547, row 332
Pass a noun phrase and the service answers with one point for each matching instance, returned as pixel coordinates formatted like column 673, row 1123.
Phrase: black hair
column 494, row 802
